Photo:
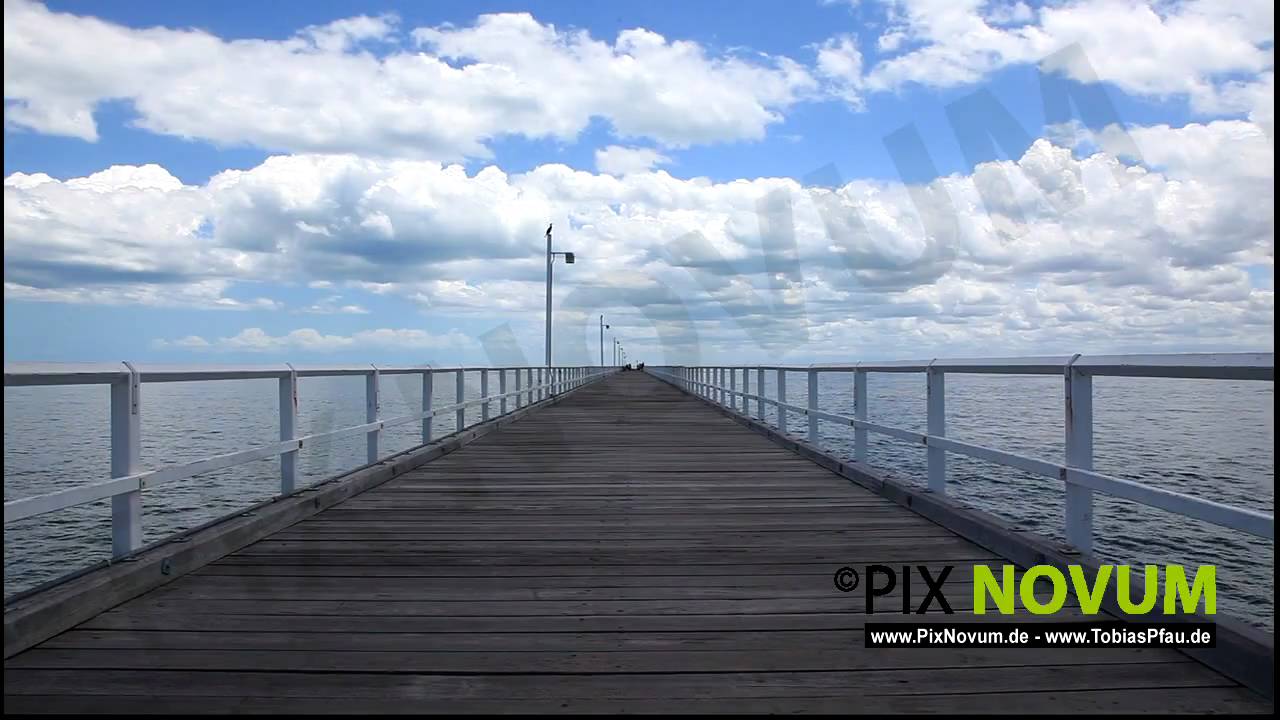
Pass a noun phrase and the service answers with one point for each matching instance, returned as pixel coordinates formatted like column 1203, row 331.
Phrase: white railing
column 128, row 479
column 719, row 384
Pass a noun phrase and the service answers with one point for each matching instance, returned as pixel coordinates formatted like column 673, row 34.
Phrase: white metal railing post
column 484, row 394
column 813, row 405
column 782, row 397
column 502, row 390
column 733, row 389
column 860, row 413
column 746, row 390
column 519, row 391
column 371, row 410
column 937, row 426
column 126, row 458
column 541, row 392
column 289, row 431
column 428, row 386
column 1079, row 452
column 760, row 392
column 460, row 392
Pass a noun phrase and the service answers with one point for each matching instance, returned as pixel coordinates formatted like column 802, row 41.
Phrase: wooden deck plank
column 410, row 700
column 625, row 550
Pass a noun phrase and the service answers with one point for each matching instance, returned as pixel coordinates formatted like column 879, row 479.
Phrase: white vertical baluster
column 371, row 410
column 288, row 431
column 760, row 392
column 746, row 390
column 860, row 413
column 813, row 405
column 782, row 397
column 460, row 395
column 502, row 390
column 428, row 385
column 1079, row 446
column 937, row 425
column 126, row 459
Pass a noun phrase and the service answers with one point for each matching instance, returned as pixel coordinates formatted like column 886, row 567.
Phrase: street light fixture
column 551, row 256
column 603, row 327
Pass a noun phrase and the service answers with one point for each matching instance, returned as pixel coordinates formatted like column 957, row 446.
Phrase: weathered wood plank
column 1196, row 700
column 691, row 661
column 618, row 686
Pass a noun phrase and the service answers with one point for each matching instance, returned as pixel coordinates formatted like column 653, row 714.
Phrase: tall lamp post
column 603, row 327
column 551, row 256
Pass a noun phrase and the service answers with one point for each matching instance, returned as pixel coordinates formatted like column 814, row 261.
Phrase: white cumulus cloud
column 618, row 160
column 1051, row 249
column 310, row 340
column 364, row 84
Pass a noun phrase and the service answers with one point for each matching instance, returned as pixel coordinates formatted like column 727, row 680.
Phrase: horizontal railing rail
column 528, row 385
column 719, row 385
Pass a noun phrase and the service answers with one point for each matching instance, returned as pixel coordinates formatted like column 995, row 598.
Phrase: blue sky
column 746, row 139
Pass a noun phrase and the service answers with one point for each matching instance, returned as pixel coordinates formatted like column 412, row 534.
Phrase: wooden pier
column 628, row 548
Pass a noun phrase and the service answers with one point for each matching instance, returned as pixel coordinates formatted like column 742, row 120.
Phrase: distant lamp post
column 603, row 327
column 551, row 256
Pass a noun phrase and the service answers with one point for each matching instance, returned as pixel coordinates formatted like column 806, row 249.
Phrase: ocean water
column 1208, row 438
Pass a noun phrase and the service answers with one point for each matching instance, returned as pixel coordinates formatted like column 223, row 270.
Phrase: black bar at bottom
column 1099, row 634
